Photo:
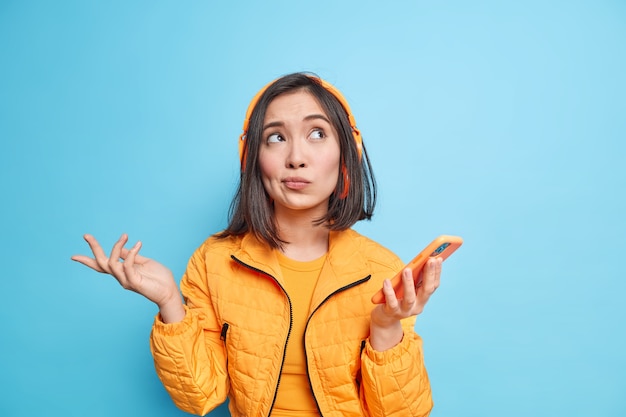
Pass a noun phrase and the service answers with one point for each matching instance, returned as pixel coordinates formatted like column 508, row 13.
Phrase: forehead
column 293, row 105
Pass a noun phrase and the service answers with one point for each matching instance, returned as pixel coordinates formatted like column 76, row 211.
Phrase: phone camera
column 440, row 249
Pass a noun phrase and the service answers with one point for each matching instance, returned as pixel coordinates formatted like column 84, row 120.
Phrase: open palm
column 133, row 271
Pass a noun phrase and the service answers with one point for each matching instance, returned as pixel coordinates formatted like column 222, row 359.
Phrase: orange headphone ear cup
column 346, row 182
column 358, row 141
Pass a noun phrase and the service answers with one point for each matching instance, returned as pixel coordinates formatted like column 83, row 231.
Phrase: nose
column 296, row 157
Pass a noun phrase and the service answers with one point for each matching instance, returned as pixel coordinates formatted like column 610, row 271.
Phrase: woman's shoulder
column 215, row 251
column 218, row 243
column 351, row 240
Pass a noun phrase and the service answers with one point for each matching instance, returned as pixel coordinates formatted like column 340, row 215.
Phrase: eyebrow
column 314, row 116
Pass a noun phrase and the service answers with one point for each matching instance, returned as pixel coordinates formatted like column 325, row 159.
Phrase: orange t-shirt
column 294, row 397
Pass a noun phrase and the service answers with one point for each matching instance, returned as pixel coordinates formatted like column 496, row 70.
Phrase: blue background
column 502, row 122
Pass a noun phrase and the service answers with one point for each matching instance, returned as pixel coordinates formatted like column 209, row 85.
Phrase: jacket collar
column 345, row 262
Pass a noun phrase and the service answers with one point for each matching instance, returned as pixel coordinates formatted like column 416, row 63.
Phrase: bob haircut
column 251, row 208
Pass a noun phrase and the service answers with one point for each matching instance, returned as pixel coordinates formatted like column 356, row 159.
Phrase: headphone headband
column 330, row 88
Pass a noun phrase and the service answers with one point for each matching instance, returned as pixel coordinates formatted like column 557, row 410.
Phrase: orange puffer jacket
column 232, row 340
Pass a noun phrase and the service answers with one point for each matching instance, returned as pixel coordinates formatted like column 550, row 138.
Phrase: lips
column 295, row 183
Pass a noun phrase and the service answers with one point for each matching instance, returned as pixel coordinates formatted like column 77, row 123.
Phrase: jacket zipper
column 306, row 357
column 223, row 332
column 282, row 363
column 359, row 374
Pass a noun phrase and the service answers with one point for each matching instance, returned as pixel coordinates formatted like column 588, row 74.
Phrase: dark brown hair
column 251, row 209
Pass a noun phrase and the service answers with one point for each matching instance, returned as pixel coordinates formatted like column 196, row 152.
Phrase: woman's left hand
column 385, row 327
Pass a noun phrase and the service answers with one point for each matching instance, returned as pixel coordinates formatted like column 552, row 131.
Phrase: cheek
column 265, row 164
column 331, row 169
column 268, row 169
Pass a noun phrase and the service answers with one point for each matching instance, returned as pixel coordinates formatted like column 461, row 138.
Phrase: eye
column 275, row 137
column 317, row 134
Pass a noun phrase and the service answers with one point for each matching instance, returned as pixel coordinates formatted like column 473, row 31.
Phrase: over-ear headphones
column 330, row 88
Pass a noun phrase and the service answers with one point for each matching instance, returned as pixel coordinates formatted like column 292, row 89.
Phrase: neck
column 305, row 240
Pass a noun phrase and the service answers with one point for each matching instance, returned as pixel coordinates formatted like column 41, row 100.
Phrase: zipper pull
column 223, row 332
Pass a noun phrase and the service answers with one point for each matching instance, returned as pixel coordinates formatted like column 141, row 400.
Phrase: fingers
column 107, row 264
column 416, row 293
column 129, row 261
column 98, row 253
column 113, row 262
column 139, row 259
column 87, row 261
column 432, row 276
column 407, row 294
column 409, row 289
column 121, row 264
column 391, row 300
column 99, row 261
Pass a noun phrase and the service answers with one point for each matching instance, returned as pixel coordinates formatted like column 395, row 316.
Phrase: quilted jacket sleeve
column 189, row 356
column 395, row 382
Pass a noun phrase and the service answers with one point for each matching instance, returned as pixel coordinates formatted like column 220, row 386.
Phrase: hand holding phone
column 441, row 247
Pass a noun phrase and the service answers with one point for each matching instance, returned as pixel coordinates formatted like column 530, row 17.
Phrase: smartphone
column 441, row 247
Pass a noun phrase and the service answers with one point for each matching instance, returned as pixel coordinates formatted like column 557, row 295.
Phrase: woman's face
column 299, row 155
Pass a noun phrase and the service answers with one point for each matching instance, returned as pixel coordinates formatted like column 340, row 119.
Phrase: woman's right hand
column 137, row 273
